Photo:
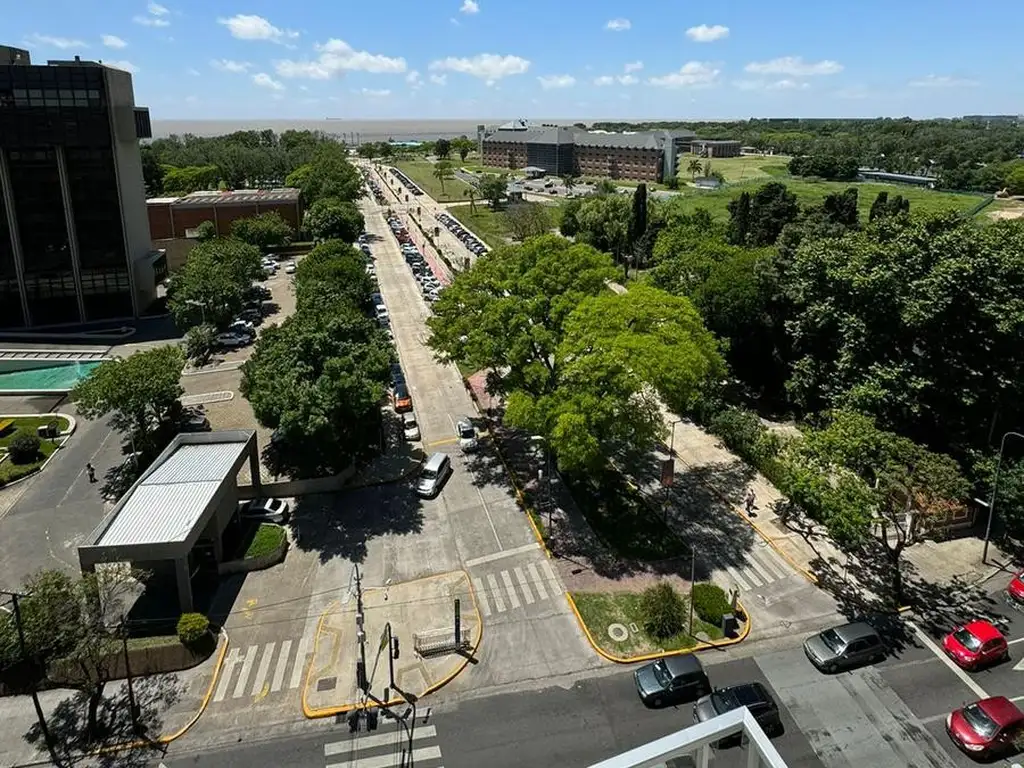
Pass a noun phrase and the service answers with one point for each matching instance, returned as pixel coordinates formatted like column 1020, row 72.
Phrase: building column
column 254, row 469
column 69, row 222
column 218, row 548
column 12, row 226
column 184, row 579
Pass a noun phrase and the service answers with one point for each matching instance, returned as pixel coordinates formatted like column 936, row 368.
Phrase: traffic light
column 394, row 647
column 361, row 681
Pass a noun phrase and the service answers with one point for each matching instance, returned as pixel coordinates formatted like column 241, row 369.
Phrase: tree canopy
column 264, row 230
column 212, row 285
column 330, row 218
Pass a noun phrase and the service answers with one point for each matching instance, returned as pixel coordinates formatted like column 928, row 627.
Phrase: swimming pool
column 43, row 376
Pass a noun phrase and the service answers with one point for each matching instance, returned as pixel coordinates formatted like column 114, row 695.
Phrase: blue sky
column 540, row 58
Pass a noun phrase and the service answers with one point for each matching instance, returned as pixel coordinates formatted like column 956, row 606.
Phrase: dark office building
column 74, row 234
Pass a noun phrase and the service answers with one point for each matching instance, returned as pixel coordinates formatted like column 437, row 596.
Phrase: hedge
column 192, row 628
column 23, row 448
column 710, row 603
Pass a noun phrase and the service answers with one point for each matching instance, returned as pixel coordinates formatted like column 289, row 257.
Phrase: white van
column 433, row 475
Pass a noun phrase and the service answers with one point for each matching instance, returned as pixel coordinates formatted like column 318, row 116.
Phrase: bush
column 710, row 603
column 23, row 448
column 664, row 611
column 193, row 628
column 199, row 343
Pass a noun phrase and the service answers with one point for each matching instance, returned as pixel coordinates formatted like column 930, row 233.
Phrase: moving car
column 265, row 510
column 850, row 645
column 671, row 680
column 986, row 728
column 467, row 434
column 401, row 398
column 753, row 696
column 976, row 644
column 410, row 427
column 433, row 475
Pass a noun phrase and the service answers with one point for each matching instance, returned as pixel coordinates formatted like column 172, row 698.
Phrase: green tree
column 604, row 223
column 569, row 180
column 443, row 172
column 694, row 167
column 200, row 341
column 664, row 610
column 739, row 219
column 841, row 208
column 152, row 171
column 264, row 230
column 442, row 148
column 182, row 181
column 212, row 286
column 525, row 220
column 137, row 392
column 333, row 271
column 772, row 207
column 605, row 187
column 1015, row 180
column 638, row 219
column 206, row 230
column 672, row 181
column 492, row 188
column 463, row 146
column 332, row 219
column 299, row 177
column 330, row 175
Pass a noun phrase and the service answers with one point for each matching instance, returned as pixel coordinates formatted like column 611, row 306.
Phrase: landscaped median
column 22, row 451
column 268, row 546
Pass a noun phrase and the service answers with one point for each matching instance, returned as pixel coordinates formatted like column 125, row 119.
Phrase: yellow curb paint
column 701, row 646
column 139, row 744
column 341, row 709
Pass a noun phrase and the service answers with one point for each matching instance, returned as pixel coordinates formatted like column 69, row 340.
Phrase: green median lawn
column 422, row 172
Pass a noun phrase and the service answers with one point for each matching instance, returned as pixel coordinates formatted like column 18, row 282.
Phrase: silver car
column 467, row 434
column 850, row 645
column 265, row 510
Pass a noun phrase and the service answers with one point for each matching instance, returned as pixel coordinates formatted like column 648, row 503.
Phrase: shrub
column 710, row 603
column 664, row 611
column 23, row 448
column 193, row 628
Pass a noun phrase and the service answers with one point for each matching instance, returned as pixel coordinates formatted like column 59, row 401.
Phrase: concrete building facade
column 74, row 238
column 178, row 217
column 716, row 147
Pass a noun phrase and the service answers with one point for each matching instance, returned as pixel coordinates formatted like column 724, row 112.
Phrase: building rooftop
column 236, row 197
column 577, row 136
column 162, row 200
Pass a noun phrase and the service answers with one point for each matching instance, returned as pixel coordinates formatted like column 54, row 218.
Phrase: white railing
column 696, row 741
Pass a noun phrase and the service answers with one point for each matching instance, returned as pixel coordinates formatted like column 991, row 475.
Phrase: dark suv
column 753, row 696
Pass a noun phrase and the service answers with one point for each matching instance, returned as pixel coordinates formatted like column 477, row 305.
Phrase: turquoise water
column 60, row 377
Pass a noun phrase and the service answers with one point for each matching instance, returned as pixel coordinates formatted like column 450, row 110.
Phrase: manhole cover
column 618, row 632
column 327, row 683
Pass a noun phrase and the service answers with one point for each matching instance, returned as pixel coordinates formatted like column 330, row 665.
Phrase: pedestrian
column 749, row 503
column 91, row 472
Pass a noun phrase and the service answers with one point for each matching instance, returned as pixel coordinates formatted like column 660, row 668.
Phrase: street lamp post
column 672, row 439
column 995, row 488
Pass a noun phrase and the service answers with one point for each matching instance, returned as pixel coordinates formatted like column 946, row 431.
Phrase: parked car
column 401, row 399
column 232, row 340
column 265, row 510
column 850, row 645
column 986, row 728
column 671, row 680
column 467, row 434
column 1015, row 591
column 753, row 696
column 194, row 420
column 976, row 644
column 289, row 268
column 409, row 425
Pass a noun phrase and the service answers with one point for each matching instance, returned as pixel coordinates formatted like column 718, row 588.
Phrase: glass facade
column 10, row 298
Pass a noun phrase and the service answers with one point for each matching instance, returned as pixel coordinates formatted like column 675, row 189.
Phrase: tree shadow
column 67, row 724
column 341, row 524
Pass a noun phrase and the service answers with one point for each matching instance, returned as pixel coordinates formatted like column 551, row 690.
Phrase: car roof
column 1003, row 711
column 855, row 631
column 683, row 664
column 408, row 416
column 983, row 630
column 748, row 694
column 401, row 391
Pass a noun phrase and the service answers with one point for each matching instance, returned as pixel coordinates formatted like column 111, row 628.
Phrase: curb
column 313, row 714
column 701, row 646
column 63, row 437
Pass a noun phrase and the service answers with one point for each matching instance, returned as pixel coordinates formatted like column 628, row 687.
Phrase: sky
column 437, row 59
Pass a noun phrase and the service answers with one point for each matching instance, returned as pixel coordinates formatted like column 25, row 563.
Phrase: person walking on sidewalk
column 748, row 502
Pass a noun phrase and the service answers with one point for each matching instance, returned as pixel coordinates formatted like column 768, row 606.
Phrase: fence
column 436, row 642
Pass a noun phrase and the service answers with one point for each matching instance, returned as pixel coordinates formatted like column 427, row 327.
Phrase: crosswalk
column 757, row 568
column 516, row 587
column 392, row 745
column 275, row 665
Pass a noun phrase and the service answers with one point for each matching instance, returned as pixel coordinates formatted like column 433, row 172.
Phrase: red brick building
column 178, row 217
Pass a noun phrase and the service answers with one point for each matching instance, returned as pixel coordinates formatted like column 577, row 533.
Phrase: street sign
column 668, row 472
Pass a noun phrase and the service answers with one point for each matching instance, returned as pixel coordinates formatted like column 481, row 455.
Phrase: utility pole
column 15, row 596
column 362, row 681
column 693, row 578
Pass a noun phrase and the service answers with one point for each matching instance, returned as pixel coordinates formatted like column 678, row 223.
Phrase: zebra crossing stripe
column 499, row 602
column 230, row 662
column 538, row 582
column 552, row 578
column 389, row 760
column 773, row 560
column 481, row 596
column 243, row 675
column 734, row 574
column 513, row 598
column 282, row 665
column 359, row 741
column 752, row 577
column 521, row 578
column 300, row 662
column 263, row 669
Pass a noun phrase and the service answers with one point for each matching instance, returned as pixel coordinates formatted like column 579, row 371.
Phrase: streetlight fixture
column 672, row 439
column 995, row 487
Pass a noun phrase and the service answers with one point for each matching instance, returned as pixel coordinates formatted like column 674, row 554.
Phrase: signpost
column 458, row 622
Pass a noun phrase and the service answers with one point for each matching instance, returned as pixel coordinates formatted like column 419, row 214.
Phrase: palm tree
column 442, row 172
column 694, row 168
column 569, row 180
column 471, row 193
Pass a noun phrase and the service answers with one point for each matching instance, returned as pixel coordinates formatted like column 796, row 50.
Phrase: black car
column 671, row 680
column 753, row 696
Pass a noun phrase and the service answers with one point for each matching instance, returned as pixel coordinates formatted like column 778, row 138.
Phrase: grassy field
column 489, row 225
column 9, row 471
column 738, row 169
column 421, row 172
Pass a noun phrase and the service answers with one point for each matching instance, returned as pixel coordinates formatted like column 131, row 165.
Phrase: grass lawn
column 475, row 167
column 267, row 540
column 489, row 225
column 422, row 172
column 813, row 192
column 738, row 169
column 9, row 471
column 601, row 609
column 30, row 424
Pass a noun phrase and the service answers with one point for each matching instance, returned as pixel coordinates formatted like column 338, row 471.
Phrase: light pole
column 672, row 439
column 995, row 488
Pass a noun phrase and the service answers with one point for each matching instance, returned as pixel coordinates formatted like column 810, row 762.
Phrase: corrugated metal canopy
column 159, row 513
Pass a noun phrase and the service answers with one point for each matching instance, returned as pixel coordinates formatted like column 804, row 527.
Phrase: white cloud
column 942, row 81
column 377, row 93
column 127, row 66
column 489, row 67
column 155, row 9
column 613, row 79
column 618, row 25
column 794, row 66
column 264, row 80
column 192, row 71
column 113, row 41
column 628, row 80
column 414, row 79
column 151, row 21
column 454, row 21
column 251, row 27
column 227, row 65
column 470, row 7
column 337, row 57
column 547, row 82
column 604, row 80
column 439, row 79
column 633, row 66
column 49, row 41
column 787, row 85
column 693, row 74
column 705, row 34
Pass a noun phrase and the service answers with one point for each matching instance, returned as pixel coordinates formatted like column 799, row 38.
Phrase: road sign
column 668, row 472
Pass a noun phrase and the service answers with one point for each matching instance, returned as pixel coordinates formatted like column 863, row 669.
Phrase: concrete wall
column 299, row 487
column 177, row 250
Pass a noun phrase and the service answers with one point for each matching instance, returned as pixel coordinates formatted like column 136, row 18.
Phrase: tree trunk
column 894, row 554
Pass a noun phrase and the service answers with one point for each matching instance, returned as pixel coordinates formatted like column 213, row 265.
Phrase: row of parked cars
column 407, row 182
column 471, row 241
column 375, row 190
column 429, row 283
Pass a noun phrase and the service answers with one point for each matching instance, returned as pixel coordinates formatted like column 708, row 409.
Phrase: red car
column 975, row 644
column 1015, row 591
column 987, row 727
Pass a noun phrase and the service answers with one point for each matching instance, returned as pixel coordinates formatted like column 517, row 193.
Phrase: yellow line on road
column 446, row 441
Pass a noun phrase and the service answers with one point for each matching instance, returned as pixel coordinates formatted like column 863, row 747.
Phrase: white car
column 265, row 510
column 409, row 425
column 289, row 268
column 382, row 312
column 232, row 340
column 467, row 434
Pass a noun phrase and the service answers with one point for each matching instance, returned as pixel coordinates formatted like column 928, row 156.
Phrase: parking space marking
column 1014, row 642
column 481, row 595
column 964, row 677
column 282, row 665
column 521, row 578
column 513, row 598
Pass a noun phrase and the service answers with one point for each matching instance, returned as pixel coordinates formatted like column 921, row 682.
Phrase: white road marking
column 1014, row 642
column 230, row 662
column 379, row 740
column 1018, row 666
column 499, row 603
column 390, row 760
column 740, row 582
column 501, row 555
column 513, row 598
column 964, row 677
column 487, row 512
column 521, row 578
column 300, row 662
column 552, row 577
column 243, row 675
column 263, row 669
column 481, row 595
column 765, row 574
column 282, row 664
column 538, row 582
column 774, row 561
column 752, row 577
